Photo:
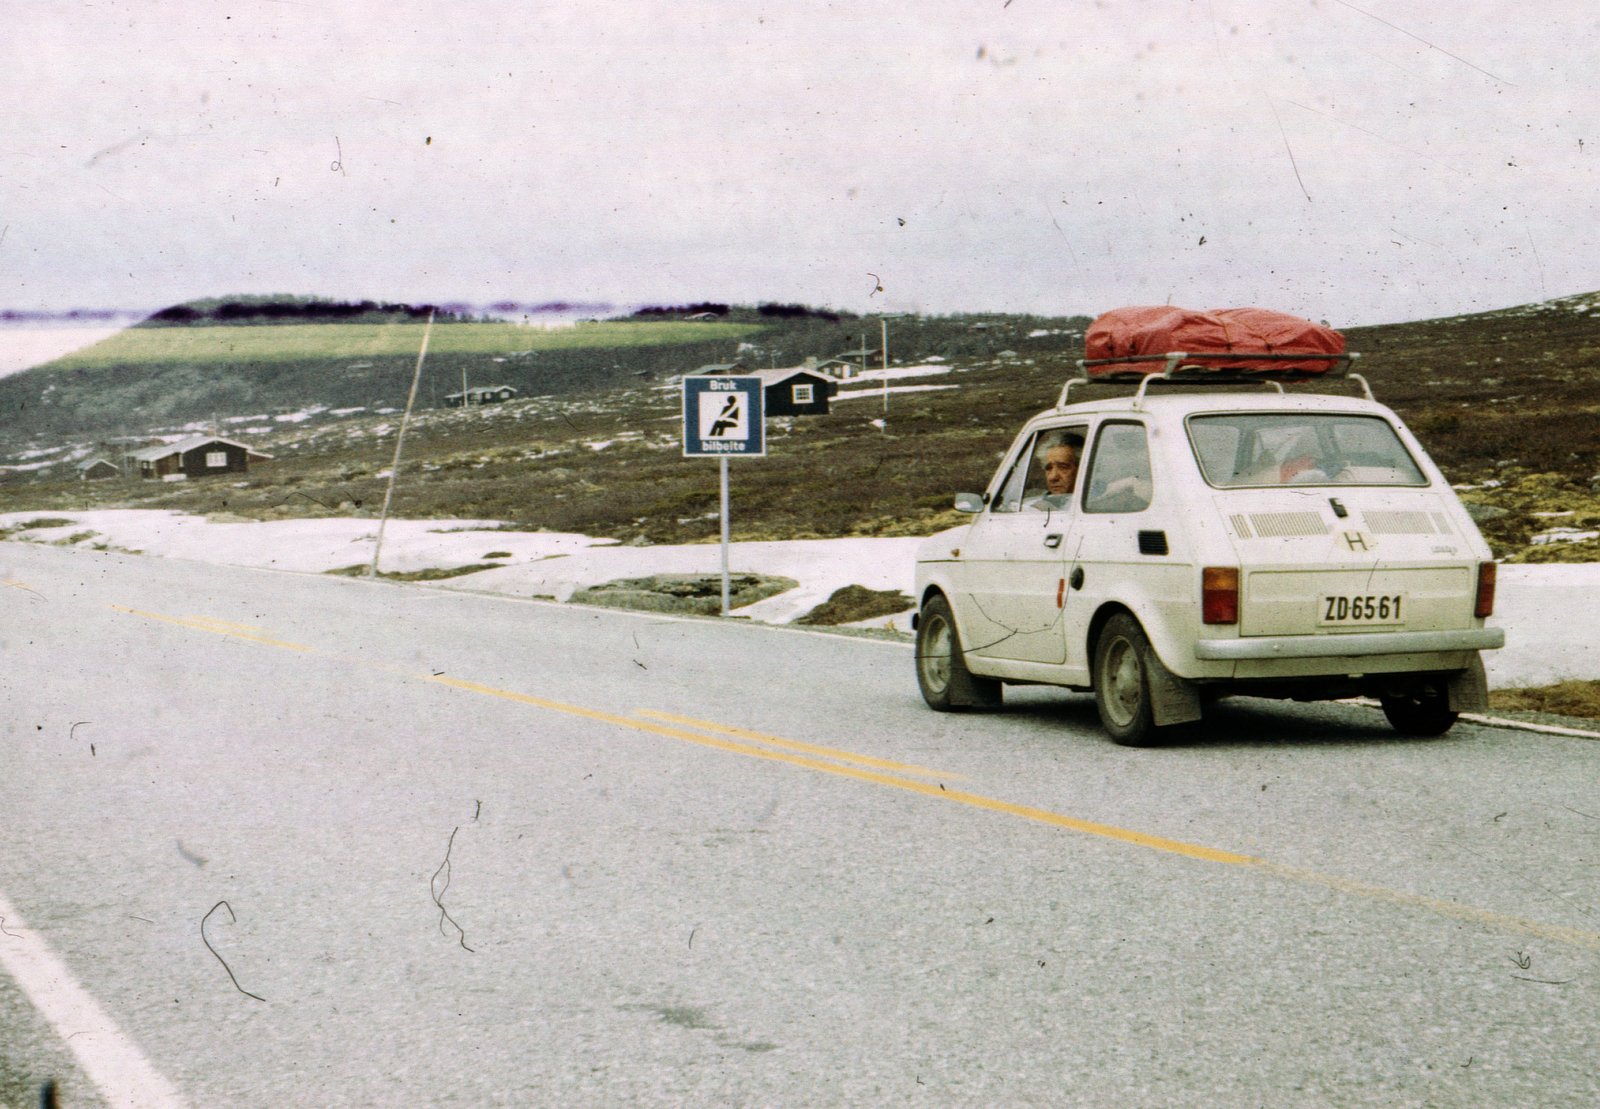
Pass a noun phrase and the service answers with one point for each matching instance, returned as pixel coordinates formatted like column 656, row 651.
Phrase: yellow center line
column 827, row 752
column 1434, row 904
column 1043, row 816
column 189, row 623
column 933, row 790
column 213, row 622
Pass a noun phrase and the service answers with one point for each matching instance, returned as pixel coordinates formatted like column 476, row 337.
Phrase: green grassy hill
column 143, row 378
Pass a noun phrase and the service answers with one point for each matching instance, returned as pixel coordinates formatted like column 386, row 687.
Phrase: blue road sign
column 724, row 416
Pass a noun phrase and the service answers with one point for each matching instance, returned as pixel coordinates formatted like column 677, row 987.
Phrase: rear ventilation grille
column 1240, row 527
column 1278, row 524
column 1152, row 542
column 1405, row 523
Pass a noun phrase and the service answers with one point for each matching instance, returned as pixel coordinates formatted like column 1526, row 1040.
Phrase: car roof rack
column 1178, row 372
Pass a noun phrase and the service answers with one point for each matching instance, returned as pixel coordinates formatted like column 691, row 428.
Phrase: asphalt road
column 482, row 852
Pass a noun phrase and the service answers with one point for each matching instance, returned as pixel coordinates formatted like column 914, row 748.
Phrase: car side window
column 1011, row 492
column 1119, row 473
column 1044, row 476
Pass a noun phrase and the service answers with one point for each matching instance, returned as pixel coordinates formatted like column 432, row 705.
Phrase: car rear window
column 1271, row 448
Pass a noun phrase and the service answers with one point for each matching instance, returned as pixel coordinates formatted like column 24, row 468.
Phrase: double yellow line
column 832, row 760
column 206, row 624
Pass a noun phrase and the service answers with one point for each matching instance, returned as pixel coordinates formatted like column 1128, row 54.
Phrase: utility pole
column 883, row 327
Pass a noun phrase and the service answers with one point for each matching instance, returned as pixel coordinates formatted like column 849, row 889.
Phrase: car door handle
column 1053, row 541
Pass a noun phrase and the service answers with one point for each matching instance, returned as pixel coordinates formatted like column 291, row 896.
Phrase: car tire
column 942, row 673
column 1423, row 711
column 1122, row 661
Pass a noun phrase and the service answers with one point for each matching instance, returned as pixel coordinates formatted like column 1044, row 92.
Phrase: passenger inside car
column 1268, row 449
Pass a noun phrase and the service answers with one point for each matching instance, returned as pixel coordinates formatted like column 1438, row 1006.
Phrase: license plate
column 1366, row 609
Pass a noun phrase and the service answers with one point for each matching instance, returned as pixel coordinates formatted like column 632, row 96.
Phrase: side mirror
column 969, row 502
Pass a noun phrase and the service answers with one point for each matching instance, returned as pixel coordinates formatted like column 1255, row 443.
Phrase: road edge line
column 1489, row 721
column 112, row 1061
column 1526, row 726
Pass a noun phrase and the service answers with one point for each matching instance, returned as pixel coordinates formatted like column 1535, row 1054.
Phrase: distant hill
column 249, row 310
column 1515, row 386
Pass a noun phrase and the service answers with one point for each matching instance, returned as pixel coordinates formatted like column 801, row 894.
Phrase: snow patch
column 859, row 394
column 1549, row 610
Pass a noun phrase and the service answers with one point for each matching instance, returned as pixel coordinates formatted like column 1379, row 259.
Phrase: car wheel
column 942, row 673
column 1424, row 710
column 1122, row 683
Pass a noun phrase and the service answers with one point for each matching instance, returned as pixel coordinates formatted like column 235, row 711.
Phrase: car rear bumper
column 1349, row 646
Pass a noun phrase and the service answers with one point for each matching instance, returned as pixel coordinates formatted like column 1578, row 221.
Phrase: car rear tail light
column 1484, row 606
column 1219, row 595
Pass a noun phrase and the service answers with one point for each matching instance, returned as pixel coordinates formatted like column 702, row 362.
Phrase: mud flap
column 1469, row 690
column 970, row 691
column 1173, row 700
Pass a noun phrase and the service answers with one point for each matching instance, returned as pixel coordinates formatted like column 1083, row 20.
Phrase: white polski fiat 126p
column 1222, row 541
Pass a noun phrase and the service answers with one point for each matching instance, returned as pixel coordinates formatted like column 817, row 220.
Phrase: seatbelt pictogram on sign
column 723, row 416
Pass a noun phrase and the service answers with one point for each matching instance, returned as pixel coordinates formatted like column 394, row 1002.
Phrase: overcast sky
column 1361, row 163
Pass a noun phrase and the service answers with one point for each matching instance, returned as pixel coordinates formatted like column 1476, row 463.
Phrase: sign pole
column 724, row 461
column 724, row 415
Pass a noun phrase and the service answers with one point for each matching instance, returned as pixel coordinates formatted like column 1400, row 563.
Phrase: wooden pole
column 399, row 441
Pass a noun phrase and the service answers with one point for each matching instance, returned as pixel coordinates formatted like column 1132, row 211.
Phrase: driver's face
column 1061, row 469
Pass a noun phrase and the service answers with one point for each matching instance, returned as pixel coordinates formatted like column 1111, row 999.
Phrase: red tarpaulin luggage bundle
column 1208, row 338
